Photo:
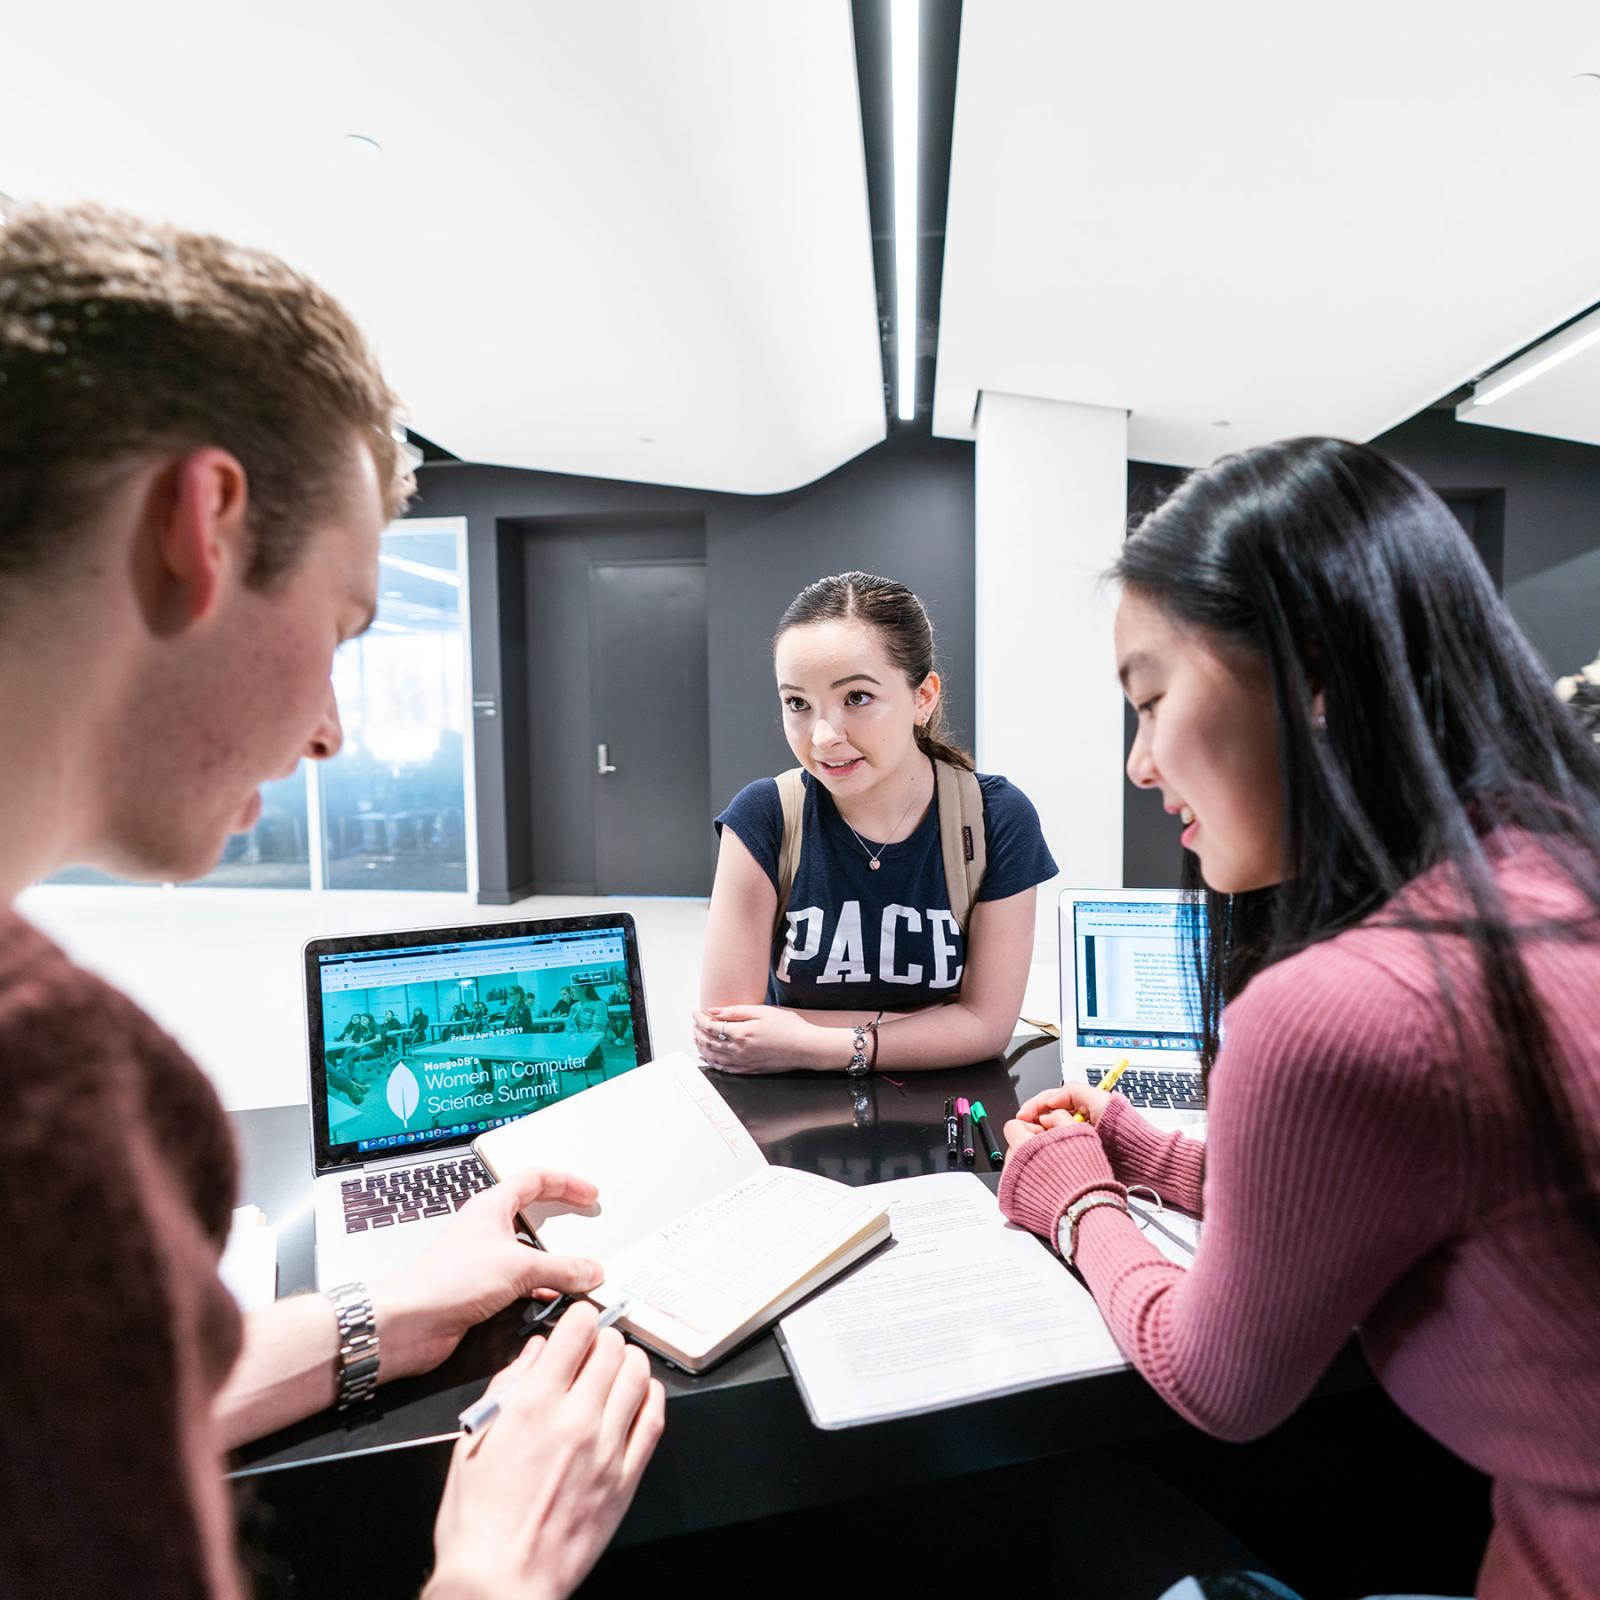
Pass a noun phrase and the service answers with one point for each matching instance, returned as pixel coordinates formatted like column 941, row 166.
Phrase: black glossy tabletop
column 738, row 1443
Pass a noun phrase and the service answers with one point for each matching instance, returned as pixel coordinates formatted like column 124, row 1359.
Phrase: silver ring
column 722, row 1038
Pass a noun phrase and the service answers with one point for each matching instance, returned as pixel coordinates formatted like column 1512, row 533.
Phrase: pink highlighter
column 964, row 1113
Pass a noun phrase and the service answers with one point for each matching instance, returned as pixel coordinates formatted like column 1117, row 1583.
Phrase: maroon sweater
column 1337, row 1190
column 118, row 1174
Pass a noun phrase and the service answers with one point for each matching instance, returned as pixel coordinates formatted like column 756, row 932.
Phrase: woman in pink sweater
column 1398, row 831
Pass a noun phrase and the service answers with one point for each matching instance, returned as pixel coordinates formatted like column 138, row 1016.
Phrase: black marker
column 951, row 1148
column 980, row 1121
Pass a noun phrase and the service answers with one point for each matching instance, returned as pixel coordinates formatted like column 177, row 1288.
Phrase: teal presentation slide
column 414, row 1062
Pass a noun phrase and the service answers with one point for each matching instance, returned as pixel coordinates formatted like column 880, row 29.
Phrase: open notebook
column 705, row 1240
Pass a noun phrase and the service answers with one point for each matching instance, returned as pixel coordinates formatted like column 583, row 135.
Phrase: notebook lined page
column 657, row 1142
column 722, row 1264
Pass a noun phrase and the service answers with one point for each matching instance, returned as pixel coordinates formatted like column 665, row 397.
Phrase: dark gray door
column 652, row 792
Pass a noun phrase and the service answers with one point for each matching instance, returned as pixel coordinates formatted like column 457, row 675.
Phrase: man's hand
column 475, row 1268
column 532, row 1500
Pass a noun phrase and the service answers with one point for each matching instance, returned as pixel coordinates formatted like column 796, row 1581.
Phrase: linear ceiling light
column 1534, row 363
column 421, row 569
column 904, row 27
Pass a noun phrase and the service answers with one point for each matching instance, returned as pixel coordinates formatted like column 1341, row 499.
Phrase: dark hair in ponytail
column 1347, row 576
column 903, row 621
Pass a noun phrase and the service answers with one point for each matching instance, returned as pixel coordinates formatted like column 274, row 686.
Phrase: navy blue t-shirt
column 860, row 940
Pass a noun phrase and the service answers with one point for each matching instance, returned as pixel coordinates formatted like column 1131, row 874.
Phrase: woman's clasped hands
column 1056, row 1108
column 767, row 1039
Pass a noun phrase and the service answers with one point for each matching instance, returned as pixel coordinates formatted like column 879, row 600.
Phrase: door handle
column 602, row 759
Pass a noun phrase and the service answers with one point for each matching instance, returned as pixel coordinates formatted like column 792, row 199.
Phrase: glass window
column 394, row 801
column 394, row 804
column 89, row 876
column 276, row 853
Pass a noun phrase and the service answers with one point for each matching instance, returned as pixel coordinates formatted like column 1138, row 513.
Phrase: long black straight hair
column 1351, row 580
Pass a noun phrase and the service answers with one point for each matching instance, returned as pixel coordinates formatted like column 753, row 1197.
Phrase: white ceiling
column 1285, row 217
column 592, row 225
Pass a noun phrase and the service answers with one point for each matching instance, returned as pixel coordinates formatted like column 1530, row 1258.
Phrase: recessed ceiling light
column 645, row 438
column 363, row 145
column 1221, row 424
column 1582, row 86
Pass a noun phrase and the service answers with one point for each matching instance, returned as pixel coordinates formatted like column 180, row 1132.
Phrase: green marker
column 980, row 1121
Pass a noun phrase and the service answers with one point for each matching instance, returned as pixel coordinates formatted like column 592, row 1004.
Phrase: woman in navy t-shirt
column 869, row 934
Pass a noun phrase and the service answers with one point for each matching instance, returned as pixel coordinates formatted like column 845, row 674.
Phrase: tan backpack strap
column 961, row 836
column 792, row 797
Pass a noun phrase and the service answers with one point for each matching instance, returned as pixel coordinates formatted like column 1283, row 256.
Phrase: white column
column 1051, row 509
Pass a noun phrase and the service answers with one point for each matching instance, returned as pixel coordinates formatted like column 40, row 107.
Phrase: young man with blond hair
column 197, row 459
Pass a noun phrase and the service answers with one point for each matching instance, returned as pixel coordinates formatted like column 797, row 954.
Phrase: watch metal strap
column 1074, row 1215
column 357, row 1371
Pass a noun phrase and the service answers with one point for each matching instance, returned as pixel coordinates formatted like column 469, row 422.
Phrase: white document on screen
column 960, row 1307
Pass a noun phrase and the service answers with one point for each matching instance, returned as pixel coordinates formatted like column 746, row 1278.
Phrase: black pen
column 951, row 1148
column 980, row 1121
column 964, row 1111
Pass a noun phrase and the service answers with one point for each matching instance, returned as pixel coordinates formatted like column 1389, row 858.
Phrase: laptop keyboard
column 1155, row 1090
column 407, row 1194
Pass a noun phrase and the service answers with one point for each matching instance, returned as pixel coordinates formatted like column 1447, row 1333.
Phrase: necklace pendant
column 873, row 863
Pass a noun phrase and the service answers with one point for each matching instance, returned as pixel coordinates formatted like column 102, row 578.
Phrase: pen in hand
column 1107, row 1084
column 477, row 1418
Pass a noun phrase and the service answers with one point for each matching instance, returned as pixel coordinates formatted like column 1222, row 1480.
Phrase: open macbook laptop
column 422, row 1040
column 1128, row 989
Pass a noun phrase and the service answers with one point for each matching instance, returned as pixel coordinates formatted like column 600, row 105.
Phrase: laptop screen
column 422, row 1039
column 1135, row 974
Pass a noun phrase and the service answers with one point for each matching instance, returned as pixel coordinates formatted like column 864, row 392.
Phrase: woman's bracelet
column 860, row 1065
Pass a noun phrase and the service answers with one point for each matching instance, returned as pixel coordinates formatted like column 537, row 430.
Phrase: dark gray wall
column 1532, row 508
column 1548, row 494
column 904, row 509
column 1151, row 855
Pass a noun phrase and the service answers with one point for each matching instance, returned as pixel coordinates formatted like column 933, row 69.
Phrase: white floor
column 221, row 969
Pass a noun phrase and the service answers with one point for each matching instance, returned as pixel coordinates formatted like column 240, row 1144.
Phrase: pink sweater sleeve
column 1170, row 1163
column 1331, row 1168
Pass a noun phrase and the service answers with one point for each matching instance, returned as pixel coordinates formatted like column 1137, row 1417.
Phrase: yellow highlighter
column 1108, row 1083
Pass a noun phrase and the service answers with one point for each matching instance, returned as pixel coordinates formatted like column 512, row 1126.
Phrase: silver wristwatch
column 1067, row 1233
column 357, row 1371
